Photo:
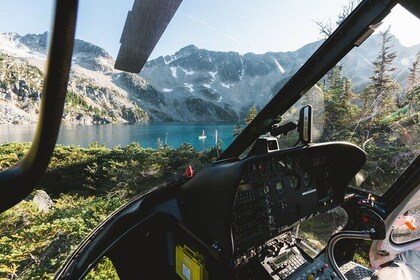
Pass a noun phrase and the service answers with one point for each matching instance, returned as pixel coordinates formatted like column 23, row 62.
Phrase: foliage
column 73, row 99
column 102, row 270
column 379, row 96
column 251, row 115
column 326, row 28
column 35, row 243
column 13, row 72
column 97, row 170
column 413, row 78
column 385, row 126
column 413, row 85
column 86, row 184
column 237, row 130
column 11, row 153
column 317, row 230
column 248, row 119
column 340, row 110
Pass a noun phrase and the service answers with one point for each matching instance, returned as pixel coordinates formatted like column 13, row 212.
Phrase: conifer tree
column 237, row 130
column 251, row 115
column 340, row 111
column 413, row 78
column 248, row 119
column 336, row 78
column 413, row 85
column 380, row 94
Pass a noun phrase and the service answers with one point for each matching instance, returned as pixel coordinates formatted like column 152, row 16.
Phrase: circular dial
column 294, row 182
column 306, row 179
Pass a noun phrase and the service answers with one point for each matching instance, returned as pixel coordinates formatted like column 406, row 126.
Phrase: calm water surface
column 173, row 134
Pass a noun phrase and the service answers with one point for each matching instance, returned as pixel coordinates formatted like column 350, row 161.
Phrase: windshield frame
column 347, row 35
column 18, row 181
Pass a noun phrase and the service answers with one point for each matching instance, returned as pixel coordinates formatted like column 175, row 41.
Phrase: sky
column 223, row 25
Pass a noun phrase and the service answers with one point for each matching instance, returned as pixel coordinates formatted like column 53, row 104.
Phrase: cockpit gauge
column 294, row 182
column 306, row 179
column 281, row 164
column 289, row 163
column 279, row 187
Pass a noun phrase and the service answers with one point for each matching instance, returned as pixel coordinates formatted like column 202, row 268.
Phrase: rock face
column 197, row 83
column 92, row 98
column 191, row 85
column 42, row 200
column 20, row 90
column 204, row 85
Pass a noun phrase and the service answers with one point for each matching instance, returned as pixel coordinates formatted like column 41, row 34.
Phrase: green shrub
column 87, row 185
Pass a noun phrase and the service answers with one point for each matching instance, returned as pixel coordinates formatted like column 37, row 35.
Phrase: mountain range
column 191, row 85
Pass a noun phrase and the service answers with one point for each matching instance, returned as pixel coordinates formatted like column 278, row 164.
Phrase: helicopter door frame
column 383, row 251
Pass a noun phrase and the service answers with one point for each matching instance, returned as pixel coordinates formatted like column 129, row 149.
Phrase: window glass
column 104, row 269
column 371, row 98
column 217, row 64
column 406, row 228
column 316, row 231
column 23, row 44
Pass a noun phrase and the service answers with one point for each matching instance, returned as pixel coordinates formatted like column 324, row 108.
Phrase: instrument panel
column 276, row 192
column 240, row 204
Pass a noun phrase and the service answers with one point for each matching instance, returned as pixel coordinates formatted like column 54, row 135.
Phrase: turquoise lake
column 147, row 135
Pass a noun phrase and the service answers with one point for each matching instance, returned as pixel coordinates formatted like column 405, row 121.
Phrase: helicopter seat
column 405, row 266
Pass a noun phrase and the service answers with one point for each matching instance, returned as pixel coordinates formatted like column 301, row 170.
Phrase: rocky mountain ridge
column 235, row 82
column 91, row 98
column 191, row 85
column 223, row 83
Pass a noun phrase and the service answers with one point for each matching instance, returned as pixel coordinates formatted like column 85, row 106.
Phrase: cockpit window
column 217, row 64
column 22, row 65
column 406, row 227
column 209, row 67
column 371, row 98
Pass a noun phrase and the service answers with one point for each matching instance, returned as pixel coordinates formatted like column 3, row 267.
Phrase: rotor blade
column 143, row 28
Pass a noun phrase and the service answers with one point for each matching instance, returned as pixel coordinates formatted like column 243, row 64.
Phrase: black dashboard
column 276, row 192
column 241, row 204
column 232, row 220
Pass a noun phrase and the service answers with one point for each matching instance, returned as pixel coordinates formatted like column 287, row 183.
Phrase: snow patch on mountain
column 173, row 71
column 242, row 71
column 213, row 74
column 171, row 58
column 226, row 85
column 281, row 69
column 93, row 97
column 189, row 86
column 11, row 43
column 188, row 72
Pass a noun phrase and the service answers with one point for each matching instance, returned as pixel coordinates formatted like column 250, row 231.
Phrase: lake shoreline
column 149, row 135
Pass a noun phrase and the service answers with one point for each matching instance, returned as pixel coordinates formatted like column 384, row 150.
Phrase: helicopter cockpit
column 244, row 216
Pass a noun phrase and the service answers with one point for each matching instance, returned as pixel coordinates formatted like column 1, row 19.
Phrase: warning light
column 189, row 172
column 365, row 219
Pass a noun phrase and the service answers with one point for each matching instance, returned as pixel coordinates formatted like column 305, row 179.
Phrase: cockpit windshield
column 370, row 98
column 215, row 67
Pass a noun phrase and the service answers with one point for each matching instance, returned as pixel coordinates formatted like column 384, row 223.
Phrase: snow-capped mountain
column 232, row 83
column 200, row 83
column 191, row 85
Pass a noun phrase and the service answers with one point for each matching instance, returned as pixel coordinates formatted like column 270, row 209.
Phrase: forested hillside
column 382, row 118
